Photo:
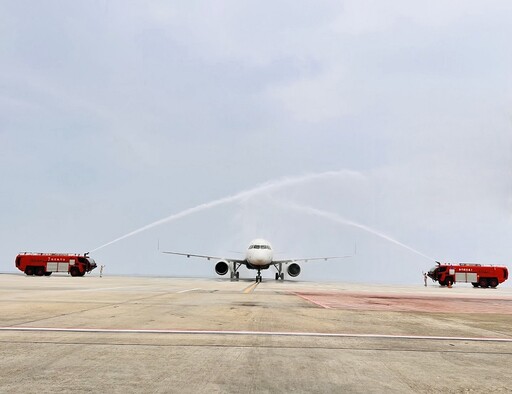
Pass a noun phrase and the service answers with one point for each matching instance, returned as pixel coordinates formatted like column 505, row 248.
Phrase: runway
column 122, row 334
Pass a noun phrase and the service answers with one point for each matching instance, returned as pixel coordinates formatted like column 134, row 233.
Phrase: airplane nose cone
column 259, row 257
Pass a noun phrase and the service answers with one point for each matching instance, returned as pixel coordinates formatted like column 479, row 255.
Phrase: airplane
column 259, row 256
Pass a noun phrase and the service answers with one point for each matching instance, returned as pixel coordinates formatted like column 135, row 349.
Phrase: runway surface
column 121, row 334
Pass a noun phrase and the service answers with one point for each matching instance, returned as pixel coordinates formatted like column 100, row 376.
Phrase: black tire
column 29, row 271
column 277, row 276
column 40, row 271
column 448, row 282
column 475, row 284
column 493, row 282
column 47, row 273
column 74, row 271
column 282, row 275
column 483, row 283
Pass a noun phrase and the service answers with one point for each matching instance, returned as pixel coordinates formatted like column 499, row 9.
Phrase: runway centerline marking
column 254, row 333
column 250, row 288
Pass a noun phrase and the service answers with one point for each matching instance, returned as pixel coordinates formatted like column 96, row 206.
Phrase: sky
column 297, row 119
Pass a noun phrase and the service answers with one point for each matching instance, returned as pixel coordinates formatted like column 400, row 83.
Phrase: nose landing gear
column 258, row 277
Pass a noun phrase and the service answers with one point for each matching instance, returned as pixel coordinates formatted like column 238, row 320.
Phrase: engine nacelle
column 293, row 270
column 222, row 267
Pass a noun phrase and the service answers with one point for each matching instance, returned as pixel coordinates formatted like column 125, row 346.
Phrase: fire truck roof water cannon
column 44, row 264
column 479, row 275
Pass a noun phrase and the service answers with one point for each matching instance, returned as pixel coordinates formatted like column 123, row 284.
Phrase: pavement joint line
column 108, row 288
column 187, row 290
column 313, row 301
column 255, row 333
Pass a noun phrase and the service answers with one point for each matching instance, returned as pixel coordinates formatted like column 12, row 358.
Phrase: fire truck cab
column 477, row 274
column 40, row 264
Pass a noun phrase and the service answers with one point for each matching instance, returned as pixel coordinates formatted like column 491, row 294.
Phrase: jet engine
column 293, row 270
column 222, row 268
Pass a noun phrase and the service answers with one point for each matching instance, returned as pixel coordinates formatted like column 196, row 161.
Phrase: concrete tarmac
column 159, row 335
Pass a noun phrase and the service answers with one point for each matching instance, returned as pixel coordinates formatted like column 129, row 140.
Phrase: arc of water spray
column 263, row 188
column 339, row 219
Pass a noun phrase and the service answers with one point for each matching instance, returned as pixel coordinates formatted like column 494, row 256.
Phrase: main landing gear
column 279, row 273
column 235, row 275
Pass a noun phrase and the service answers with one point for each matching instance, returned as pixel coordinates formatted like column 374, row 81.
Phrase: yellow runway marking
column 251, row 288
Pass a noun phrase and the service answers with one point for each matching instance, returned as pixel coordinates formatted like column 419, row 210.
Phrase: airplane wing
column 305, row 260
column 203, row 256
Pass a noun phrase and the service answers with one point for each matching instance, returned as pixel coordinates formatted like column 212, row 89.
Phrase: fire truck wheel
column 475, row 284
column 74, row 271
column 493, row 282
column 483, row 283
column 40, row 271
column 47, row 273
column 29, row 271
column 448, row 282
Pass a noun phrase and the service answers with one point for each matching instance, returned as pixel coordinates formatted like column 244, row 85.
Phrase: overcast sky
column 116, row 114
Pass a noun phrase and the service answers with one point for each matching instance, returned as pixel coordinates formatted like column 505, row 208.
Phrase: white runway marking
column 186, row 291
column 257, row 333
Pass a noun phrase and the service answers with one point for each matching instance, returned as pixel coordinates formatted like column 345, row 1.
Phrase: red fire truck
column 46, row 263
column 476, row 274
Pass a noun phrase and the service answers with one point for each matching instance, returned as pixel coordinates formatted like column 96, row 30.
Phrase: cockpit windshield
column 260, row 247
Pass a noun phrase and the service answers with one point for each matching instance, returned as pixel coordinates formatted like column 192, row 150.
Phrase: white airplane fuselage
column 259, row 253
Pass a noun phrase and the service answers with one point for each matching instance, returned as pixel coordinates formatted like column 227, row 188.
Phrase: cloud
column 316, row 99
column 116, row 114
